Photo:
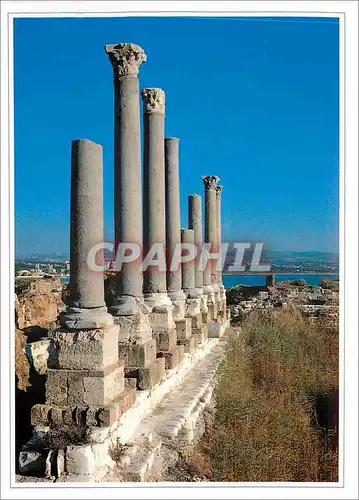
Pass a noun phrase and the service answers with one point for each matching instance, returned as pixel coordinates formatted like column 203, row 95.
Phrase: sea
column 230, row 280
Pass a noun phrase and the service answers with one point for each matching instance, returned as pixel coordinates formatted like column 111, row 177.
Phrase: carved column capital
column 210, row 181
column 126, row 58
column 219, row 190
column 153, row 100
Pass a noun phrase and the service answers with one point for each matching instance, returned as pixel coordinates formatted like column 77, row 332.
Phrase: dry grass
column 277, row 403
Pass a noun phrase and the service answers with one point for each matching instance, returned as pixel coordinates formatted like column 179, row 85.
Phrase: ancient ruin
column 108, row 369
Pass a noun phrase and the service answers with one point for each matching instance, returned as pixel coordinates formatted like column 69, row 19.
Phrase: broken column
column 210, row 286
column 137, row 348
column 87, row 307
column 173, row 239
column 155, row 288
column 85, row 386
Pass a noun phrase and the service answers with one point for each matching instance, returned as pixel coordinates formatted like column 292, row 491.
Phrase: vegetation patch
column 276, row 403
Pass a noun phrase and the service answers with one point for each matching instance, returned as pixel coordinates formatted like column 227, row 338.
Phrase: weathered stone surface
column 86, row 350
column 39, row 305
column 207, row 315
column 130, row 383
column 212, row 309
column 173, row 357
column 161, row 320
column 126, row 58
column 201, row 335
column 183, row 328
column 137, row 355
column 152, row 375
column 193, row 306
column 40, row 415
column 72, row 387
column 80, row 459
column 189, row 345
column 197, row 323
column 135, row 328
column 32, row 462
column 166, row 341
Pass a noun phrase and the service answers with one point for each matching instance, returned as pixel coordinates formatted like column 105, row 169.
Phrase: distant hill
column 328, row 257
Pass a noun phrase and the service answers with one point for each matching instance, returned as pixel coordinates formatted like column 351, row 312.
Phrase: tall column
column 126, row 58
column 210, row 276
column 173, row 225
column 219, row 190
column 87, row 305
column 155, row 290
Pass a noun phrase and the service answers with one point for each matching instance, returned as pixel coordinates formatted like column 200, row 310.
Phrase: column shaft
column 154, row 193
column 195, row 223
column 188, row 268
column 173, row 216
column 219, row 228
column 126, row 59
column 87, row 305
column 210, row 273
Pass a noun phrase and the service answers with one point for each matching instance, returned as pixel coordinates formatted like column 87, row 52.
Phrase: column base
column 193, row 306
column 209, row 292
column 160, row 299
column 76, row 318
column 178, row 299
column 126, row 305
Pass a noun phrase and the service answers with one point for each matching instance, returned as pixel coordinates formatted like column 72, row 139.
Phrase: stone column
column 195, row 223
column 173, row 225
column 85, row 386
column 188, row 268
column 219, row 190
column 155, row 290
column 87, row 305
column 210, row 273
column 126, row 58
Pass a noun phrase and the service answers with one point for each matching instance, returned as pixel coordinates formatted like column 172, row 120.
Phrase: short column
column 87, row 304
column 188, row 268
column 195, row 223
column 173, row 225
column 126, row 58
column 154, row 239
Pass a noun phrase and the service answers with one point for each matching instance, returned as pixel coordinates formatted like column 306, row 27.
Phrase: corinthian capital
column 219, row 190
column 126, row 58
column 153, row 100
column 210, row 181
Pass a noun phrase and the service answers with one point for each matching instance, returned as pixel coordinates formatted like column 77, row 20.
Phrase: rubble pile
column 313, row 301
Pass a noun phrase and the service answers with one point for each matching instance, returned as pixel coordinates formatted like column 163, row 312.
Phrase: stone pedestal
column 126, row 58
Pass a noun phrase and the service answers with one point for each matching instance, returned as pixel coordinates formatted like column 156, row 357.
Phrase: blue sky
column 255, row 101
